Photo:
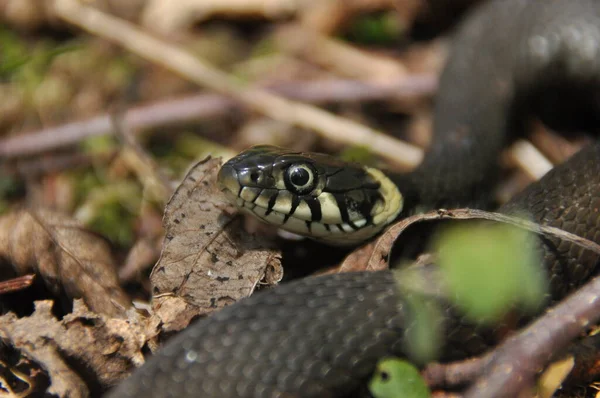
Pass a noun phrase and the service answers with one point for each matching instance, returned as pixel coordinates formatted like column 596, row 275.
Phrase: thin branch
column 155, row 115
column 517, row 360
column 196, row 107
column 336, row 55
column 454, row 374
column 530, row 159
column 185, row 64
column 384, row 243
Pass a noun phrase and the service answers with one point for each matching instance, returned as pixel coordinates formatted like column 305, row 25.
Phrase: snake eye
column 300, row 179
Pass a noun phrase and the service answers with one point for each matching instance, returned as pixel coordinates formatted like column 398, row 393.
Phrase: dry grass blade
column 208, row 261
column 276, row 107
column 334, row 54
column 155, row 183
column 161, row 16
column 66, row 256
column 108, row 348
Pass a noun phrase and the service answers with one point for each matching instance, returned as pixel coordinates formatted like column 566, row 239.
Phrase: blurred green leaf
column 358, row 153
column 396, row 378
column 489, row 268
column 380, row 28
column 424, row 337
column 13, row 53
column 10, row 188
column 111, row 209
column 99, row 144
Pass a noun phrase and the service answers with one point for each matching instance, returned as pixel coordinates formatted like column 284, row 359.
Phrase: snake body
column 322, row 336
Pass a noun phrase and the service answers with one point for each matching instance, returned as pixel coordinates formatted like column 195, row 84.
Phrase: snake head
column 311, row 194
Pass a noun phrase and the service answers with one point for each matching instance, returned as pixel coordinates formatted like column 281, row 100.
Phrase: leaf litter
column 67, row 257
column 208, row 261
column 107, row 347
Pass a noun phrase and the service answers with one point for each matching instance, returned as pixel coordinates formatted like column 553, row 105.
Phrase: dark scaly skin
column 494, row 75
column 322, row 336
column 568, row 197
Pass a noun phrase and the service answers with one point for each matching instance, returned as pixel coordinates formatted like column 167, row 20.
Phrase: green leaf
column 379, row 28
column 13, row 53
column 396, row 378
column 358, row 153
column 490, row 267
column 424, row 337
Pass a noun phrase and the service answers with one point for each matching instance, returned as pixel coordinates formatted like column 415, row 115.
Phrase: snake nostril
column 254, row 176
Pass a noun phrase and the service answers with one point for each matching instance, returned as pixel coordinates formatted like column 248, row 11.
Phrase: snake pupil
column 299, row 176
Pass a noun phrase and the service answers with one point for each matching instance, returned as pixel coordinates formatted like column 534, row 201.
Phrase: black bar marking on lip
column 308, row 225
column 339, row 226
column 295, row 204
column 257, row 196
column 327, row 227
column 271, row 203
column 315, row 208
column 353, row 226
column 341, row 202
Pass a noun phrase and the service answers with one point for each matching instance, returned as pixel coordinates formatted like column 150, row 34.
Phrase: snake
column 322, row 336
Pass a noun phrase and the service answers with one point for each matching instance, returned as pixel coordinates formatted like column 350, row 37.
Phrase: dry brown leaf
column 67, row 257
column 208, row 261
column 108, row 348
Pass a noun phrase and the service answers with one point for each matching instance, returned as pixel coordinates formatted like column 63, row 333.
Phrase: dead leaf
column 68, row 257
column 208, row 261
column 108, row 348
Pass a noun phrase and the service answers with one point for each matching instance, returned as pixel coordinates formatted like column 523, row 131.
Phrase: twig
column 178, row 60
column 138, row 119
column 384, row 243
column 44, row 165
column 530, row 159
column 203, row 106
column 517, row 360
column 15, row 284
column 455, row 373
column 147, row 171
column 336, row 55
